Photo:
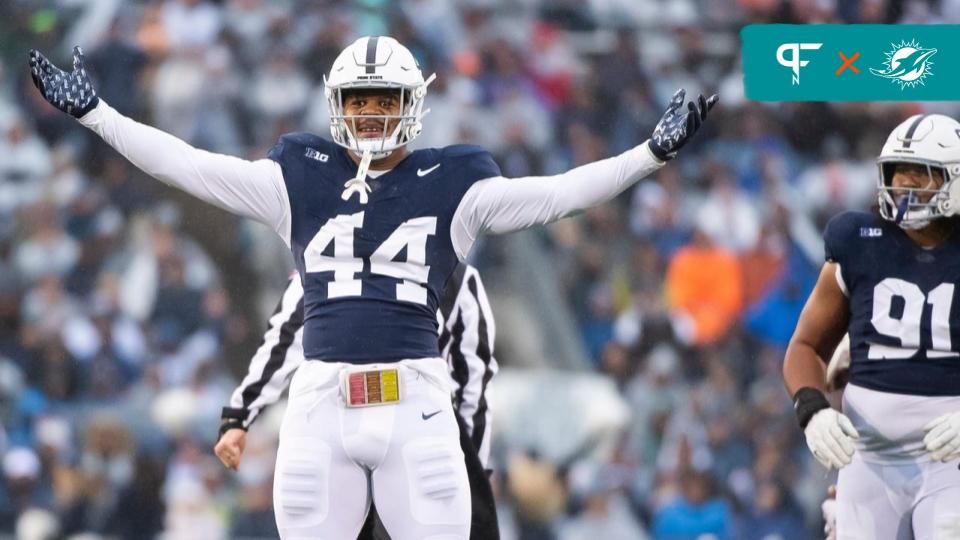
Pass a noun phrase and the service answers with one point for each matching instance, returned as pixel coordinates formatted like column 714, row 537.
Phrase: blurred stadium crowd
column 126, row 310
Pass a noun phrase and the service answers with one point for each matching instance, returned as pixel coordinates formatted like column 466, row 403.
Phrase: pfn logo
column 794, row 62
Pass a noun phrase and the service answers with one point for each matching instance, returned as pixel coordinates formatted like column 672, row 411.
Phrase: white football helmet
column 931, row 140
column 376, row 62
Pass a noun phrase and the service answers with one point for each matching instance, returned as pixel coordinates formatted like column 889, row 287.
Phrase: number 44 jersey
column 904, row 315
column 372, row 272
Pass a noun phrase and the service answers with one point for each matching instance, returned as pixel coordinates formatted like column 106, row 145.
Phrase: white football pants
column 911, row 501
column 332, row 459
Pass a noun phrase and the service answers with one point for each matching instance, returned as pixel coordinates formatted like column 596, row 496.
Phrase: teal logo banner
column 851, row 62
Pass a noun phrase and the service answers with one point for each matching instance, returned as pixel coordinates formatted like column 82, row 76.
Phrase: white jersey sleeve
column 253, row 189
column 277, row 358
column 502, row 205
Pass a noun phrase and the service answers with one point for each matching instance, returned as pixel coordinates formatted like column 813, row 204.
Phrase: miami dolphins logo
column 907, row 64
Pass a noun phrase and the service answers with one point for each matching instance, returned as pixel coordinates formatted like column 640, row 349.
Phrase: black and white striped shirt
column 467, row 334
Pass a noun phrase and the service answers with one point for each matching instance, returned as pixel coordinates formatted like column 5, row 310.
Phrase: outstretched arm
column 508, row 204
column 253, row 189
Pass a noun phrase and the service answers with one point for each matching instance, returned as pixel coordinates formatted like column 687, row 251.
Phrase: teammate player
column 466, row 341
column 376, row 232
column 890, row 280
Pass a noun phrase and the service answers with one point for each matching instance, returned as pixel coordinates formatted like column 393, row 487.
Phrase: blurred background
column 641, row 342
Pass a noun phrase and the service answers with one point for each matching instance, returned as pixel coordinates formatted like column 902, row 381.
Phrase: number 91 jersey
column 372, row 273
column 904, row 315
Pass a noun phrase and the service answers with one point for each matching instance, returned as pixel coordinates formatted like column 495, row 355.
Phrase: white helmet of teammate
column 374, row 62
column 932, row 141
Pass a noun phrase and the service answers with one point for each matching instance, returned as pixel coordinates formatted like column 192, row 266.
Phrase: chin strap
column 358, row 184
column 902, row 208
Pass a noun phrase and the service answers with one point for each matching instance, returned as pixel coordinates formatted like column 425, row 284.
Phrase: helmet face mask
column 376, row 65
column 392, row 124
column 927, row 146
column 912, row 207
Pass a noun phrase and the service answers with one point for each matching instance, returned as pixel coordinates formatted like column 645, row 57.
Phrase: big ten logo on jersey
column 900, row 312
column 341, row 247
column 871, row 232
column 313, row 153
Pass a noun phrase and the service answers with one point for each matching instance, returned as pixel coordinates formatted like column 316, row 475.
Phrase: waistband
column 416, row 375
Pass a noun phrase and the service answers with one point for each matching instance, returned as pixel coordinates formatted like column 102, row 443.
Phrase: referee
column 466, row 341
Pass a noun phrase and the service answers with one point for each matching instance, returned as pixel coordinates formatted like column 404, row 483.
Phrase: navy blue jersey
column 372, row 273
column 904, row 313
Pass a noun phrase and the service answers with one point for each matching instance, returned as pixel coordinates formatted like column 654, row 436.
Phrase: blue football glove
column 71, row 92
column 676, row 128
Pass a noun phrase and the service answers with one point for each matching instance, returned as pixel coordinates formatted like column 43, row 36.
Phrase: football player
column 466, row 342
column 890, row 281
column 375, row 231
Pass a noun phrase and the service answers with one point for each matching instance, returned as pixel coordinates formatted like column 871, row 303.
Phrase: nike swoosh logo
column 426, row 416
column 421, row 173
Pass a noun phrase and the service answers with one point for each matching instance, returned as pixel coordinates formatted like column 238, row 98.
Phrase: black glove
column 71, row 92
column 675, row 129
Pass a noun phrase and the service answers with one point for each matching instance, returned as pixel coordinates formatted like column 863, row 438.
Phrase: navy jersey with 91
column 904, row 311
column 372, row 273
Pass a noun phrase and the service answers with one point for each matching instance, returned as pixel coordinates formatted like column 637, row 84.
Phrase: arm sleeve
column 501, row 205
column 471, row 359
column 279, row 355
column 252, row 189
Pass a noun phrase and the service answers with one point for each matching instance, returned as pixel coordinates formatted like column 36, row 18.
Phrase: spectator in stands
column 704, row 290
column 696, row 511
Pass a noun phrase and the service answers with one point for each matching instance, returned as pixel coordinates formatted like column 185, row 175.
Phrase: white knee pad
column 946, row 520
column 301, row 484
column 439, row 488
column 947, row 527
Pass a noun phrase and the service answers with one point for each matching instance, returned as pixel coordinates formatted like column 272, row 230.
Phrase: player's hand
column 829, row 511
column 830, row 436
column 72, row 92
column 230, row 447
column 943, row 437
column 676, row 127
